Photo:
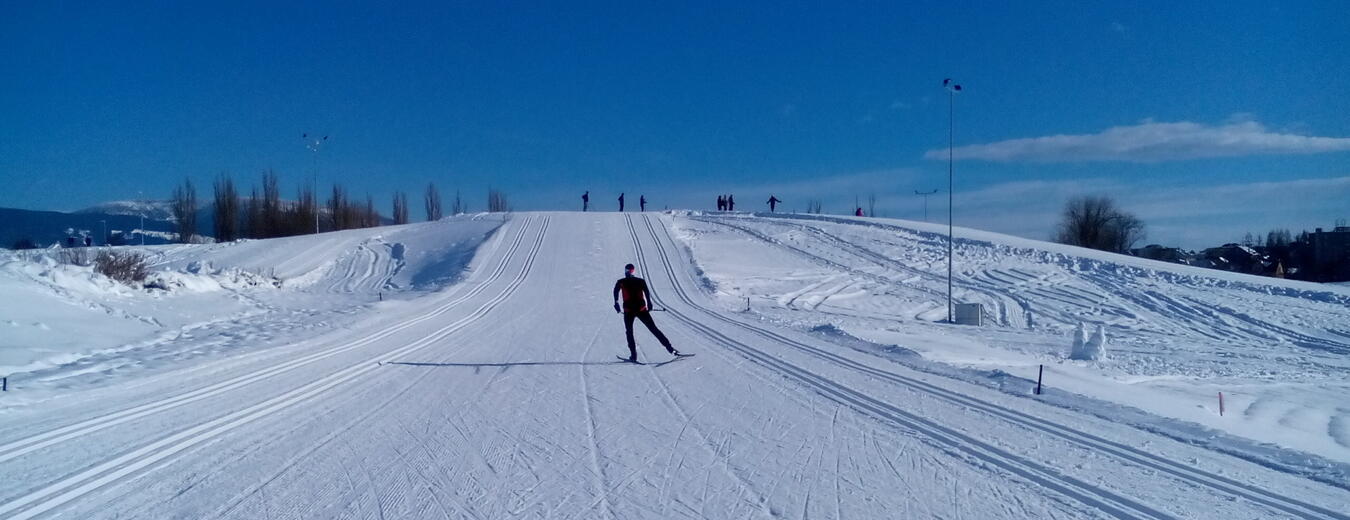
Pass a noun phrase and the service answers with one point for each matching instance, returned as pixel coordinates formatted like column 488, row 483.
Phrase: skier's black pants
column 646, row 318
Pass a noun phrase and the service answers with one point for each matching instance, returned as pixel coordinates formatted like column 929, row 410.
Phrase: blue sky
column 1206, row 119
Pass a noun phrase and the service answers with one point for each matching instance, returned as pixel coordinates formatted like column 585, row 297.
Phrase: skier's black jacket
column 636, row 297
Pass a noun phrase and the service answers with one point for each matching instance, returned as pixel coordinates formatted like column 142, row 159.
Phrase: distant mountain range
column 150, row 209
column 45, row 228
column 121, row 218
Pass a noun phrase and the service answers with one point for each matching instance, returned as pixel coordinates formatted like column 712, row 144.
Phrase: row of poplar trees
column 264, row 214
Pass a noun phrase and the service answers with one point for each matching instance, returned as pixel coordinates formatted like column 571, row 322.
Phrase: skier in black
column 773, row 203
column 620, row 203
column 642, row 202
column 636, row 305
column 586, row 200
column 721, row 203
column 731, row 203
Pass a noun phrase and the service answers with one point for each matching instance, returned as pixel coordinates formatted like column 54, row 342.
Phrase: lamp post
column 314, row 146
column 925, row 201
column 952, row 89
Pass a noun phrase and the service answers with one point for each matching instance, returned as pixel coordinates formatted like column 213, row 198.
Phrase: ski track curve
column 1109, row 502
column 153, row 454
column 19, row 447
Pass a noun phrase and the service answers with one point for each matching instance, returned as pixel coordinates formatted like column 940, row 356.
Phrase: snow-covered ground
column 66, row 324
column 465, row 369
column 1177, row 336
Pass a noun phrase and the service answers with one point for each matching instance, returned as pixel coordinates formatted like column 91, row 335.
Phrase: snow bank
column 54, row 315
column 1278, row 349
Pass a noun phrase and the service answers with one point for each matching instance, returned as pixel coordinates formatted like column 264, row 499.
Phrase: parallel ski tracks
column 1107, row 501
column 81, row 483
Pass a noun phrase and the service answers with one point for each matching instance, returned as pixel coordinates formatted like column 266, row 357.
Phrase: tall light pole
column 925, row 201
column 952, row 89
column 313, row 145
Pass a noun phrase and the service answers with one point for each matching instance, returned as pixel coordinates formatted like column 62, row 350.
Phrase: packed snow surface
column 466, row 368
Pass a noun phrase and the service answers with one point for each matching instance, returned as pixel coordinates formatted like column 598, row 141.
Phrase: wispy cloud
column 1188, row 216
column 1151, row 141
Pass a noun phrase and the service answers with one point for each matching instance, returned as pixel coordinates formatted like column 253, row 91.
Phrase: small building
column 1159, row 252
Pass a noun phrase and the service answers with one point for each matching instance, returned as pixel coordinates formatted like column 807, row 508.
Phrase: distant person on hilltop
column 620, row 203
column 586, row 200
column 857, row 212
column 642, row 203
column 773, row 203
column 721, row 203
column 636, row 304
column 731, row 203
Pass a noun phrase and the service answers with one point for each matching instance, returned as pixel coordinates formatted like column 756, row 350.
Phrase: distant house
column 1158, row 252
column 1237, row 258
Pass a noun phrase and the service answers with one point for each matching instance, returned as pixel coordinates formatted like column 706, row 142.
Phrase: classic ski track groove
column 1101, row 445
column 79, row 484
column 28, row 444
column 1106, row 501
column 761, row 500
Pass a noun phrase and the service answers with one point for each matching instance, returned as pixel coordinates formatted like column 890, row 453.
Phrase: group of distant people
column 728, row 203
column 586, row 202
column 724, row 203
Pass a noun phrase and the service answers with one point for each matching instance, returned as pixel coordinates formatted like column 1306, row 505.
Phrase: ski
column 626, row 360
column 674, row 359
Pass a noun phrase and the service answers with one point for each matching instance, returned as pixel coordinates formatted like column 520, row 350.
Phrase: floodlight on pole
column 925, row 200
column 313, row 145
column 952, row 89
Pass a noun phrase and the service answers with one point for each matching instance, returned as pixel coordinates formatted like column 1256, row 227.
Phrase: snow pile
column 1087, row 348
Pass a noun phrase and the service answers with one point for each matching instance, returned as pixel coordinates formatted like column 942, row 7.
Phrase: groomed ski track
column 500, row 398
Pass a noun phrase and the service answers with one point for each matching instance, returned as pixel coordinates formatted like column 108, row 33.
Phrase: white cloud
column 1187, row 216
column 1151, row 141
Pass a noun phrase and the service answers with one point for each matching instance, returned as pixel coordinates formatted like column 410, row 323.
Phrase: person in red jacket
column 636, row 304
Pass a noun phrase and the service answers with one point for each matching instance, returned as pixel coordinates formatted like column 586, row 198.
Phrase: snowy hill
column 465, row 368
column 150, row 209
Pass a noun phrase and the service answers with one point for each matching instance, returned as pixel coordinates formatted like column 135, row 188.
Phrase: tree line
column 264, row 214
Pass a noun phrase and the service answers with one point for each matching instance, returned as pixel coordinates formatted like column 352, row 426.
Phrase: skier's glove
column 617, row 308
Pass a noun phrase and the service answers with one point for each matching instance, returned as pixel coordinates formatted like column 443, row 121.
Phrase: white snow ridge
column 466, row 368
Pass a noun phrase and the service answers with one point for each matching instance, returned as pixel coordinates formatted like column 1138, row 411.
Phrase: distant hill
column 150, row 209
column 51, row 227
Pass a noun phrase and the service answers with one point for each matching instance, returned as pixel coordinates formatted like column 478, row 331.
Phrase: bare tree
column 1096, row 222
column 369, row 217
column 871, row 204
column 226, row 211
column 301, row 217
column 400, row 207
column 497, row 201
column 338, row 208
column 185, row 211
column 433, row 203
column 458, row 206
column 270, row 212
column 254, row 224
